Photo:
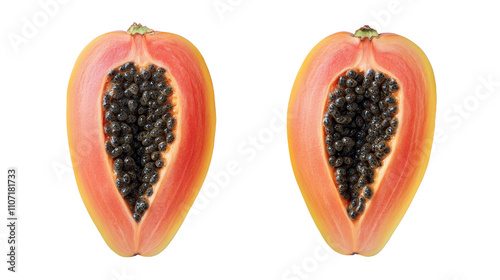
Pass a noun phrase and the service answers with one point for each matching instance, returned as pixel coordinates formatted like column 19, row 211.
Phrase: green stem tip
column 137, row 28
column 366, row 32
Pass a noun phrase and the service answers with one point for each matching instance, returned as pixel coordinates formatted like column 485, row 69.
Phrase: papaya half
column 141, row 127
column 360, row 126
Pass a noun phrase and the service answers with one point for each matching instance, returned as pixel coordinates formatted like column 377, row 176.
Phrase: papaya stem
column 366, row 32
column 137, row 28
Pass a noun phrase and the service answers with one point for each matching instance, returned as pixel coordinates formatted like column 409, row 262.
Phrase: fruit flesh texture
column 187, row 163
column 401, row 176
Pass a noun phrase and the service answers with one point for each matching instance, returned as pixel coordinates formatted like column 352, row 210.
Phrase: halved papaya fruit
column 141, row 127
column 360, row 127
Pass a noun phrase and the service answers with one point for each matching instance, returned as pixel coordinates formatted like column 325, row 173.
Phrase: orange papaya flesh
column 360, row 126
column 141, row 127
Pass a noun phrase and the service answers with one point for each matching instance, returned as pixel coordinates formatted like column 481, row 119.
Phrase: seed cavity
column 360, row 119
column 139, row 127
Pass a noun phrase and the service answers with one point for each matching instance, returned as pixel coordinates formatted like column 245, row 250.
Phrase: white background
column 255, row 224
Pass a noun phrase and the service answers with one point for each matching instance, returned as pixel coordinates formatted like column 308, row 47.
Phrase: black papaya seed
column 359, row 120
column 139, row 124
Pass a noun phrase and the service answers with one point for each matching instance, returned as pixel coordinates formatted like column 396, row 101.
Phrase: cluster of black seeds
column 359, row 121
column 139, row 126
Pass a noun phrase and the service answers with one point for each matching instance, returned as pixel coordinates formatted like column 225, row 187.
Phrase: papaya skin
column 402, row 172
column 188, row 157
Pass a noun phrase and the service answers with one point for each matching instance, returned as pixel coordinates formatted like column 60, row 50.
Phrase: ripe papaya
column 141, row 127
column 360, row 127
